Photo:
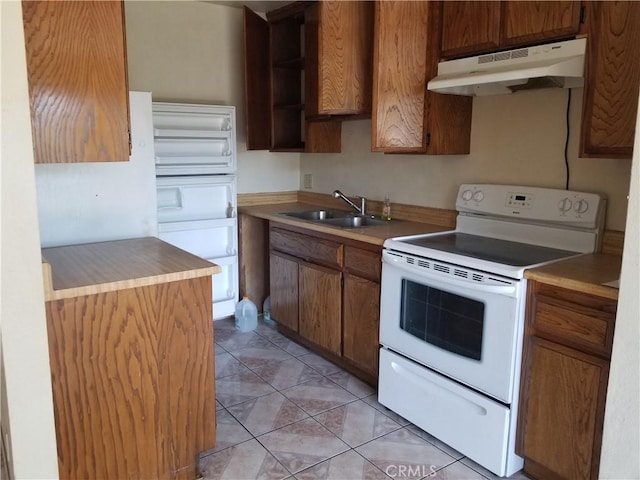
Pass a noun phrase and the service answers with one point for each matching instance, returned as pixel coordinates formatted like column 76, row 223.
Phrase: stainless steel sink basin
column 317, row 214
column 355, row 221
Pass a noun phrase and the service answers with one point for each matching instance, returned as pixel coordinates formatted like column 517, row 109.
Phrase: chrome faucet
column 360, row 209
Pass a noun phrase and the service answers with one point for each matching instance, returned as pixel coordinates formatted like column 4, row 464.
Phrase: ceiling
column 256, row 5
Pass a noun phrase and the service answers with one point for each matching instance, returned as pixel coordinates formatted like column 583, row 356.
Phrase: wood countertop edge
column 51, row 294
column 573, row 284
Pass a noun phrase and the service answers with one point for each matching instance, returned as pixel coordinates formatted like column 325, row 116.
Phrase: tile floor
column 286, row 413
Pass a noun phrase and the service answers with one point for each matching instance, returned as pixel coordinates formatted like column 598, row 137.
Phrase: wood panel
column 320, row 309
column 361, row 322
column 364, row 263
column 323, row 136
column 527, row 22
column 257, row 70
column 470, row 27
column 344, row 44
column 323, row 251
column 284, row 290
column 253, row 258
column 562, row 411
column 77, row 70
column 130, row 366
column 612, row 77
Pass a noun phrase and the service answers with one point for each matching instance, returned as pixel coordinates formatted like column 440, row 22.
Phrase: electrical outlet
column 308, row 181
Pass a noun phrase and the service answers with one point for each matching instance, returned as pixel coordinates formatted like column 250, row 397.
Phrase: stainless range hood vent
column 558, row 64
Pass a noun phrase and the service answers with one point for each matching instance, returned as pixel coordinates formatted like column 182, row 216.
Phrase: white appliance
column 195, row 151
column 452, row 312
column 559, row 64
column 95, row 202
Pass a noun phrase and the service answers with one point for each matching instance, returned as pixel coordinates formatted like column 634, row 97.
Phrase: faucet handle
column 363, row 205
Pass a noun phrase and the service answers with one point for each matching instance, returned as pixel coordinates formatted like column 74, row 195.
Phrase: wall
column 190, row 51
column 93, row 202
column 621, row 436
column 515, row 139
column 25, row 353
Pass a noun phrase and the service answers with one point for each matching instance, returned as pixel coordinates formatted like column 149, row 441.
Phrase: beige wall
column 27, row 410
column 515, row 139
column 190, row 51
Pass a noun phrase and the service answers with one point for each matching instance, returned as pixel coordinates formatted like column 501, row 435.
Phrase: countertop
column 76, row 270
column 375, row 234
column 585, row 273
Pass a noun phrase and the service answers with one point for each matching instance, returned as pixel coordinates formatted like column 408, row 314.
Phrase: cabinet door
column 470, row 27
column 405, row 117
column 361, row 322
column 344, row 48
column 320, row 306
column 284, row 290
column 612, row 76
column 534, row 22
column 562, row 411
column 77, row 70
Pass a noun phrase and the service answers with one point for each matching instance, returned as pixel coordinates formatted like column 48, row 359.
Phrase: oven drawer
column 465, row 420
column 308, row 248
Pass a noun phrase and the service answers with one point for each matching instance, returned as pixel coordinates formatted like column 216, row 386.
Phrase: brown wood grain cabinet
column 612, row 79
column 406, row 118
column 77, row 72
column 319, row 66
column 473, row 27
column 567, row 350
column 325, row 293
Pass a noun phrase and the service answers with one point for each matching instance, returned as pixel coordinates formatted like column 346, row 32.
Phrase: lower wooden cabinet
column 564, row 382
column 325, row 292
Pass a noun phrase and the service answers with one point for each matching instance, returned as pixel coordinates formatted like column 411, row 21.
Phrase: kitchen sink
column 336, row 218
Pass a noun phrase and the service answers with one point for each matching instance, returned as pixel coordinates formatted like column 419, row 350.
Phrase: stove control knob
column 581, row 206
column 466, row 195
column 478, row 196
column 565, row 204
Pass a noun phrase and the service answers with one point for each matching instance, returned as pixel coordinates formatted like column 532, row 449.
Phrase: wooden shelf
column 289, row 106
column 292, row 63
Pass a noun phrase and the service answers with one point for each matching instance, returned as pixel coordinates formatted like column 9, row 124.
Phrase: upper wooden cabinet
column 406, row 118
column 317, row 57
column 471, row 27
column 77, row 71
column 612, row 78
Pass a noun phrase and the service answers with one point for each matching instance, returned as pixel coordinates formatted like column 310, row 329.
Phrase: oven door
column 462, row 323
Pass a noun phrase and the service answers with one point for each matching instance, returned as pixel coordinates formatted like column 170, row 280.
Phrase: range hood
column 558, row 64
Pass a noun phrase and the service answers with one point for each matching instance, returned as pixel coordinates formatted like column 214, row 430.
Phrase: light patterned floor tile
column 241, row 387
column 218, row 406
column 438, row 443
column 320, row 364
column 316, row 396
column 286, row 374
column 488, row 474
column 218, row 350
column 346, row 466
column 229, row 432
column 289, row 346
column 267, row 413
column 246, row 461
column 356, row 423
column 456, row 471
column 373, row 401
column 267, row 331
column 236, row 340
column 268, row 354
column 226, row 365
column 404, row 450
column 351, row 384
column 302, row 444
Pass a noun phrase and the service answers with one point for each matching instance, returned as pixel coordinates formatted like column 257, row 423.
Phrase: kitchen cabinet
column 567, row 351
column 476, row 27
column 406, row 118
column 77, row 73
column 325, row 293
column 131, row 353
column 612, row 79
column 317, row 56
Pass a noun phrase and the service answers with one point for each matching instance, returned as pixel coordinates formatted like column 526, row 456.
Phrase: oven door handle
column 507, row 290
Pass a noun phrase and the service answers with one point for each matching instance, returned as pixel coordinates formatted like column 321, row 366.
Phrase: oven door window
column 446, row 320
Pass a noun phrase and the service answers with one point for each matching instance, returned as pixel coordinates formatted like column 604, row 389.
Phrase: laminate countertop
column 586, row 274
column 374, row 234
column 86, row 269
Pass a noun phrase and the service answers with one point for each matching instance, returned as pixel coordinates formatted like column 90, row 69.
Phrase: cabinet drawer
column 363, row 263
column 308, row 248
column 573, row 324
